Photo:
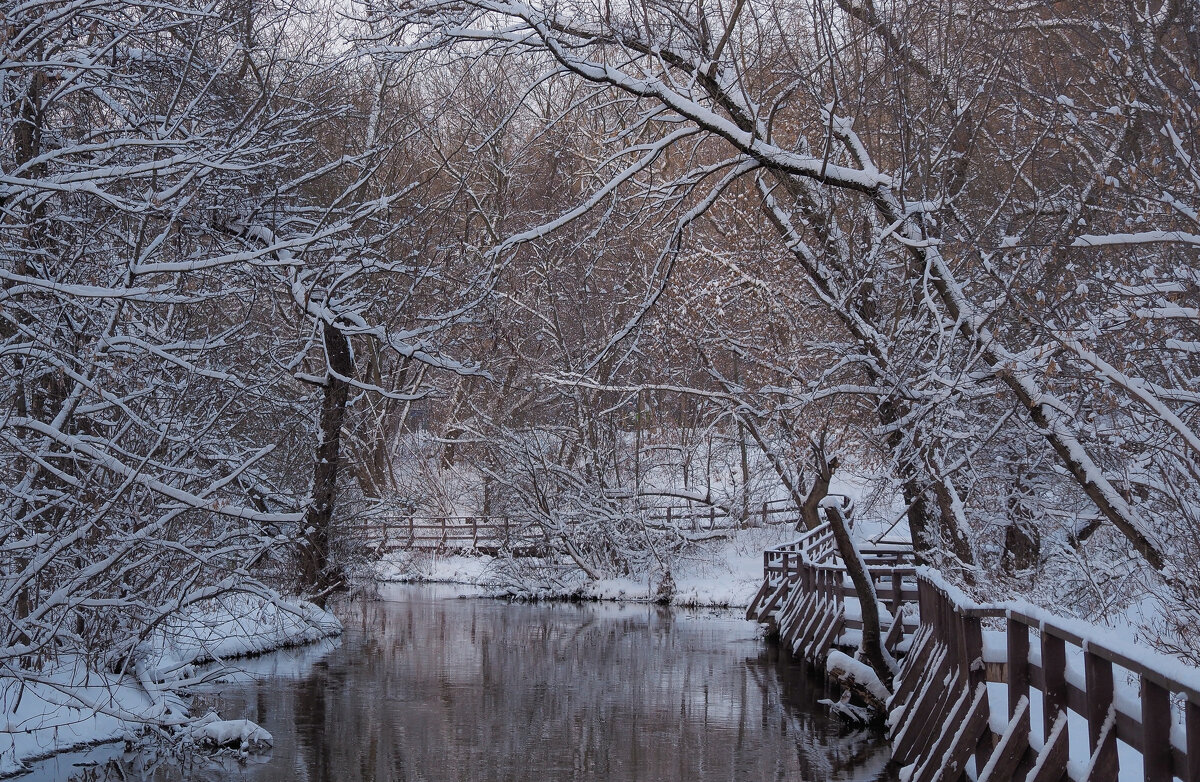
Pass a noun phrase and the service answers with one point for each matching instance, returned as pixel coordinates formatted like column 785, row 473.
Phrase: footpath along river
column 429, row 686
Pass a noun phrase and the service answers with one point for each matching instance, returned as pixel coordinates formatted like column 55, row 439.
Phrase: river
column 428, row 686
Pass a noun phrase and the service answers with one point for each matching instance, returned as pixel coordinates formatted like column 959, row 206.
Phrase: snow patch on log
column 846, row 669
column 212, row 731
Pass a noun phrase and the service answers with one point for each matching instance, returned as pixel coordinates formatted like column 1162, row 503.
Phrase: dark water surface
column 426, row 686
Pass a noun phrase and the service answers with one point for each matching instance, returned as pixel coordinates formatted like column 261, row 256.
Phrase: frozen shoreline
column 69, row 706
column 724, row 575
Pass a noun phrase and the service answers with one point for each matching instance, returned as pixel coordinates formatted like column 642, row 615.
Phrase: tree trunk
column 810, row 511
column 317, row 574
column 873, row 652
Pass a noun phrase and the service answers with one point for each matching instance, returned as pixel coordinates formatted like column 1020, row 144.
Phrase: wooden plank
column 822, row 609
column 942, row 689
column 1156, row 723
column 1051, row 763
column 1102, row 736
column 1191, row 718
column 909, row 742
column 972, row 638
column 914, row 667
column 825, row 641
column 788, row 616
column 934, row 747
column 752, row 610
column 964, row 743
column 1011, row 749
column 776, row 596
column 1054, row 675
column 813, row 611
column 803, row 614
column 895, row 633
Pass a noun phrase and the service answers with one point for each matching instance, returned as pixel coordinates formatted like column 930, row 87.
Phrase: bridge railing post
column 1192, row 720
column 1054, row 672
column 1018, row 664
column 1102, row 735
column 1156, row 721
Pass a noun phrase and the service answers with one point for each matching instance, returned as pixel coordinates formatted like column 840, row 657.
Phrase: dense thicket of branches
column 961, row 237
column 247, row 251
column 209, row 248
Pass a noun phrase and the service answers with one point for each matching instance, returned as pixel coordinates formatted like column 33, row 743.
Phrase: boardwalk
column 494, row 534
column 992, row 692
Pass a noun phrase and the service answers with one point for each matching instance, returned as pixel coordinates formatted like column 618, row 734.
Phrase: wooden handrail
column 946, row 615
column 941, row 704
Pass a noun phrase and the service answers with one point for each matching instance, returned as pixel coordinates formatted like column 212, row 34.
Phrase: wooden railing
column 941, row 712
column 699, row 517
column 448, row 533
column 1122, row 694
column 393, row 532
column 805, row 588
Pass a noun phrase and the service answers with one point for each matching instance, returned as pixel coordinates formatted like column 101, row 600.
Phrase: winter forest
column 273, row 271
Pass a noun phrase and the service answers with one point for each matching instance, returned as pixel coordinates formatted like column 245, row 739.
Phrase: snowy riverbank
column 68, row 705
column 722, row 573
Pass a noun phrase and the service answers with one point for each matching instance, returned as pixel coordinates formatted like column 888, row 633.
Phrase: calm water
column 425, row 686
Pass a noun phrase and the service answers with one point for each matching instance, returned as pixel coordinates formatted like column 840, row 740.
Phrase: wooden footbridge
column 991, row 693
column 492, row 534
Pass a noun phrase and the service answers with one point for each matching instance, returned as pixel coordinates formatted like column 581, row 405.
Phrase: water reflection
column 427, row 687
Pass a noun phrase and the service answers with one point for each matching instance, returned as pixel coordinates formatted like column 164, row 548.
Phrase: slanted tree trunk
column 872, row 650
column 317, row 574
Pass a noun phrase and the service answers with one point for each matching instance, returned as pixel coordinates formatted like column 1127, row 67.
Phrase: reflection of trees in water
column 164, row 765
column 824, row 750
column 467, row 690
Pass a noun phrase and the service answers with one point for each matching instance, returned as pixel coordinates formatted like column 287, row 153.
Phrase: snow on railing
column 393, row 531
column 1044, row 697
column 1037, row 697
column 440, row 533
column 806, row 593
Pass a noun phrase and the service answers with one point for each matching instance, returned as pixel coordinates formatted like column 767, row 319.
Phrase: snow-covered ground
column 68, row 705
column 726, row 572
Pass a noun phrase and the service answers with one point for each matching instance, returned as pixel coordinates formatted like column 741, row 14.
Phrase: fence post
column 1156, row 721
column 897, row 587
column 1098, row 675
column 1054, row 671
column 764, row 514
column 712, row 518
column 1018, row 664
column 1191, row 711
column 787, row 574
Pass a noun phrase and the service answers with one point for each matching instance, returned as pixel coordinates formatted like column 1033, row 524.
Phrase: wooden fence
column 698, row 516
column 491, row 534
column 941, row 720
column 1066, row 671
column 450, row 533
column 805, row 588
